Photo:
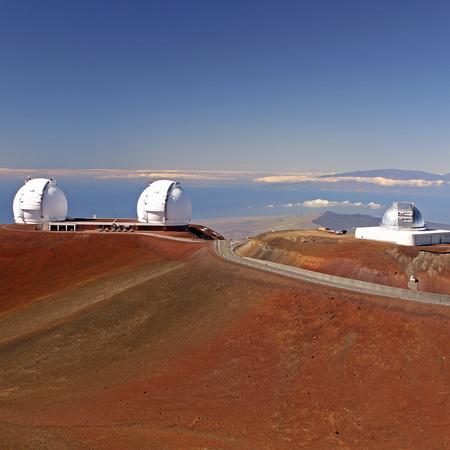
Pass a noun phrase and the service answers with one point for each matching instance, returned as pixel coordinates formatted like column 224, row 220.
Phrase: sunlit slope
column 345, row 256
column 33, row 264
column 199, row 352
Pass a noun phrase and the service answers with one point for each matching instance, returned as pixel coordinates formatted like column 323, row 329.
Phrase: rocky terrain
column 345, row 256
column 131, row 341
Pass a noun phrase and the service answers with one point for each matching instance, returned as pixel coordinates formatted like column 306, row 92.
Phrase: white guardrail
column 226, row 250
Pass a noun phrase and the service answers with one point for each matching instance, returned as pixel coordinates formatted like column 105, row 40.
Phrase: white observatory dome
column 164, row 202
column 39, row 200
column 403, row 215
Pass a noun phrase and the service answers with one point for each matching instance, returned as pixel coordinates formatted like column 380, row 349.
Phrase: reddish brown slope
column 208, row 354
column 37, row 263
column 345, row 256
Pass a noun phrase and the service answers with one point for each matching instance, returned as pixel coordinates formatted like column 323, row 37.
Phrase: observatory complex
column 403, row 224
column 162, row 207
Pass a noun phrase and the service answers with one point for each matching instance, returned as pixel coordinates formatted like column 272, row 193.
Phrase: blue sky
column 255, row 85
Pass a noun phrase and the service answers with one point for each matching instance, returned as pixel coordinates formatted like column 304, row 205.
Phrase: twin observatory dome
column 165, row 206
column 162, row 203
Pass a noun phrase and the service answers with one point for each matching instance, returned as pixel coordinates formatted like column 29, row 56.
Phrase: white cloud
column 320, row 203
column 221, row 176
column 316, row 178
column 216, row 176
column 170, row 174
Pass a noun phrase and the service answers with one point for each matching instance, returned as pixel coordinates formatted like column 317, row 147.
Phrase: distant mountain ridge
column 409, row 182
column 393, row 174
column 336, row 221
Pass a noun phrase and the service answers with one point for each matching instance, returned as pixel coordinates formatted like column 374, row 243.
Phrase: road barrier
column 226, row 250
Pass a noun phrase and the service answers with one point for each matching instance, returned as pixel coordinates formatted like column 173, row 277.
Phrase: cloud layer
column 256, row 178
column 320, row 203
column 317, row 178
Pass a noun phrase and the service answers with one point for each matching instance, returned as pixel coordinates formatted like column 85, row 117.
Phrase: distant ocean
column 118, row 198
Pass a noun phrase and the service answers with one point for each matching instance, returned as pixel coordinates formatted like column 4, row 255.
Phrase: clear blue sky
column 225, row 85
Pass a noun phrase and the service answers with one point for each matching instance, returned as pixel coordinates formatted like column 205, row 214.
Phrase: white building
column 39, row 201
column 165, row 203
column 403, row 224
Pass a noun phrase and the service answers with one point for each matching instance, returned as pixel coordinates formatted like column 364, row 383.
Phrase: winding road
column 225, row 248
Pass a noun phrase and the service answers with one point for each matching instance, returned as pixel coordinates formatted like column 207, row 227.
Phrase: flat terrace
column 126, row 225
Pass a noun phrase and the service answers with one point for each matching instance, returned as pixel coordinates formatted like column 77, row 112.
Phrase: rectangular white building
column 404, row 237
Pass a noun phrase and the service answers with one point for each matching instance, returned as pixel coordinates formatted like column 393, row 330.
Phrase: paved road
column 226, row 250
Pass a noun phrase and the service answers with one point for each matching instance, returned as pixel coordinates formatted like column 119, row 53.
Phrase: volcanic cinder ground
column 360, row 259
column 122, row 340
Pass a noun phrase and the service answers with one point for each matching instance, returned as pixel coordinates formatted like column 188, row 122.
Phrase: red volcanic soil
column 187, row 350
column 345, row 256
column 33, row 264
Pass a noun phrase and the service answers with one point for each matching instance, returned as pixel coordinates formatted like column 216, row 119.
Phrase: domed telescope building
column 403, row 224
column 39, row 201
column 164, row 203
column 163, row 208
